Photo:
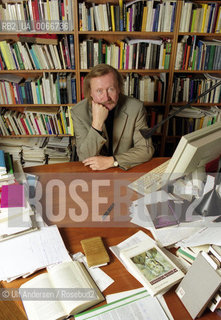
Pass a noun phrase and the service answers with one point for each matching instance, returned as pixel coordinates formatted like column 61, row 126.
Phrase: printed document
column 139, row 306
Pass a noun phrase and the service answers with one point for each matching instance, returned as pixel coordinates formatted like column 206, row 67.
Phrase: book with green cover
column 9, row 163
column 18, row 54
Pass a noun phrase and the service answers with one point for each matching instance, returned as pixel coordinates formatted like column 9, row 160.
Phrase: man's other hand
column 99, row 162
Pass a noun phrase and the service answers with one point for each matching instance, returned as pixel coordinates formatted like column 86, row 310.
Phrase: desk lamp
column 210, row 204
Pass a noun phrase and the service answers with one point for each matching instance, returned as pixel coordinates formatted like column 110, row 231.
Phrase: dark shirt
column 109, row 126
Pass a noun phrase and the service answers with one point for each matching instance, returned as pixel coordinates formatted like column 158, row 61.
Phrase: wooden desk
column 112, row 232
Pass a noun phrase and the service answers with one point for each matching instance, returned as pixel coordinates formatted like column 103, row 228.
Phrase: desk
column 111, row 231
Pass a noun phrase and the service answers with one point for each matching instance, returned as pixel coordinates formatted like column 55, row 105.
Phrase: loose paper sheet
column 31, row 251
column 146, row 306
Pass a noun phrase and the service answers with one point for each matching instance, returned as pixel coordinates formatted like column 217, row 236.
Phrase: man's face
column 105, row 91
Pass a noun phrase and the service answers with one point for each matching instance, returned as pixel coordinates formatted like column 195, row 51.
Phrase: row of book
column 36, row 121
column 26, row 55
column 43, row 15
column 195, row 54
column 50, row 88
column 188, row 87
column 146, row 88
column 127, row 54
column 192, row 119
column 201, row 18
column 147, row 16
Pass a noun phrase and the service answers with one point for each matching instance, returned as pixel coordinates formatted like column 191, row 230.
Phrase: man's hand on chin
column 99, row 162
column 99, row 115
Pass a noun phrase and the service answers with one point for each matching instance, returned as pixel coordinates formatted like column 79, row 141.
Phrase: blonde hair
column 98, row 71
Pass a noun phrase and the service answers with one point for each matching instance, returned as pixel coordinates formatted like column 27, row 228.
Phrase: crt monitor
column 194, row 151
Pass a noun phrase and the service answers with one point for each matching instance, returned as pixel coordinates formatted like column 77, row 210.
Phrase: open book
column 151, row 267
column 65, row 284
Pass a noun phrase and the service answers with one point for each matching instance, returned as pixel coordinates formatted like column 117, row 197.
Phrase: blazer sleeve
column 88, row 141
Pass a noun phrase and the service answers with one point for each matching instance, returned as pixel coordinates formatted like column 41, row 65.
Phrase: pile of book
column 203, row 279
column 34, row 152
column 15, row 146
column 58, row 150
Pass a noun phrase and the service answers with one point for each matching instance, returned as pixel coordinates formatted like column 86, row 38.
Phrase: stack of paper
column 34, row 156
column 14, row 146
column 30, row 252
column 181, row 227
column 57, row 150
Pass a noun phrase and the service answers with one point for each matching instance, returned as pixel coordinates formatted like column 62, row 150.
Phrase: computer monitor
column 194, row 151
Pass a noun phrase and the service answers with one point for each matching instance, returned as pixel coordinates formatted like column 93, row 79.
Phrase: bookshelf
column 162, row 43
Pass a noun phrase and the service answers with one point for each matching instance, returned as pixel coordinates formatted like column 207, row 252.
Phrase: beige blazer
column 129, row 147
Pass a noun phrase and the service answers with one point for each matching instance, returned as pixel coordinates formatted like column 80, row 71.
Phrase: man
column 107, row 123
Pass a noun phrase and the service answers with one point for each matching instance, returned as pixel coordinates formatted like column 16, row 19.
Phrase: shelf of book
column 195, row 104
column 197, row 71
column 37, row 72
column 172, row 21
column 36, row 136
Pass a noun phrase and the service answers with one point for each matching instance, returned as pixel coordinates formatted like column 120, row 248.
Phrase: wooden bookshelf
column 161, row 139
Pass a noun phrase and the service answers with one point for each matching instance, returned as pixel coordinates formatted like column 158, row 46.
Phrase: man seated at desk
column 107, row 123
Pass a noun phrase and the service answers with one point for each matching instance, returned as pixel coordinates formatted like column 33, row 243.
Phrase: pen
column 106, row 213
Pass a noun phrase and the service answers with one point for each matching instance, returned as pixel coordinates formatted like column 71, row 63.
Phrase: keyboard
column 150, row 181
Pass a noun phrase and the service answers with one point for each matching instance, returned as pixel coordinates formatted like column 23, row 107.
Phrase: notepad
column 95, row 252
